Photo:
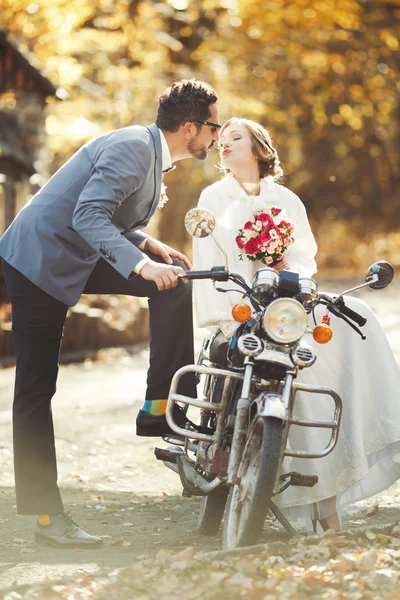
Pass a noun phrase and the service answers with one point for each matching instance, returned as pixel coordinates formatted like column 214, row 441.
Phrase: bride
column 363, row 372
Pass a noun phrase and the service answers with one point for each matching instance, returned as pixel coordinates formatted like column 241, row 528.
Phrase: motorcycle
column 249, row 395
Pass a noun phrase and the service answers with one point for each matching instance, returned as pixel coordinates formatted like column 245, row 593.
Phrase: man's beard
column 196, row 150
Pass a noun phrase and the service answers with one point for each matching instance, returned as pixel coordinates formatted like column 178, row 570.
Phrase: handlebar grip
column 197, row 275
column 351, row 314
column 216, row 275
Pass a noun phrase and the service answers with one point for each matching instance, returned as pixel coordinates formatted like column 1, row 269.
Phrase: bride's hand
column 282, row 265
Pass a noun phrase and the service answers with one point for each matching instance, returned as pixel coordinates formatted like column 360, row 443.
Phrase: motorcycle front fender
column 270, row 404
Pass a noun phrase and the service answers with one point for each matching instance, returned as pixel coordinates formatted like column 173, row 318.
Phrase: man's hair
column 268, row 160
column 184, row 101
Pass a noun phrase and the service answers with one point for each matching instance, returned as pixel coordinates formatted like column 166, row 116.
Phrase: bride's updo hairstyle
column 268, row 160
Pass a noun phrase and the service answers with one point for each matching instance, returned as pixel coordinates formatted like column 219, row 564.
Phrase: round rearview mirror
column 199, row 222
column 380, row 274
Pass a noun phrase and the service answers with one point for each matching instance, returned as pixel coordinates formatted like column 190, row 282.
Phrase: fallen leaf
column 396, row 531
column 373, row 510
column 392, row 595
column 367, row 561
column 121, row 542
column 186, row 554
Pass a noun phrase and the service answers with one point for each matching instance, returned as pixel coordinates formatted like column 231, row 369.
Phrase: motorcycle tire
column 211, row 512
column 249, row 500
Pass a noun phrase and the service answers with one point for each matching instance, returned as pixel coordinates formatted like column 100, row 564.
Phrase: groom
column 81, row 234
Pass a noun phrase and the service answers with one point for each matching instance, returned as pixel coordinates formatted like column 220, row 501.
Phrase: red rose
column 239, row 242
column 275, row 211
column 282, row 231
column 251, row 247
column 264, row 237
column 287, row 224
column 248, row 225
column 264, row 218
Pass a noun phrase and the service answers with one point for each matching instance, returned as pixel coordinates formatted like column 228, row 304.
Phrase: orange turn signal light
column 322, row 333
column 241, row 312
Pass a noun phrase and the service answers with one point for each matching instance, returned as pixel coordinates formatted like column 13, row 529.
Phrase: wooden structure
column 23, row 93
column 23, row 167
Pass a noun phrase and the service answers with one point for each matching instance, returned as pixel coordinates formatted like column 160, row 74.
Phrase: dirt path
column 110, row 479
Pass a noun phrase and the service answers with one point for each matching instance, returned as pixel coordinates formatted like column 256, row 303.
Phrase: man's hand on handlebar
column 166, row 252
column 164, row 276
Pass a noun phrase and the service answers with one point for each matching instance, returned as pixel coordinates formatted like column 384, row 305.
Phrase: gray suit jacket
column 91, row 207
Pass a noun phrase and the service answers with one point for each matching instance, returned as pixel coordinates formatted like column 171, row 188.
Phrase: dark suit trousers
column 38, row 321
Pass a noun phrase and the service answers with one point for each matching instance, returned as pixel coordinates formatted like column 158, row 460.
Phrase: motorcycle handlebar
column 348, row 312
column 354, row 316
column 221, row 274
column 217, row 275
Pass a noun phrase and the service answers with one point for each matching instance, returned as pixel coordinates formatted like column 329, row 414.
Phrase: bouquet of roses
column 266, row 236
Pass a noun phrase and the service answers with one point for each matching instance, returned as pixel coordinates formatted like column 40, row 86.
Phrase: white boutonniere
column 163, row 196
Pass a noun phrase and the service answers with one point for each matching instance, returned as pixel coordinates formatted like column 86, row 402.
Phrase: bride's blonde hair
column 269, row 164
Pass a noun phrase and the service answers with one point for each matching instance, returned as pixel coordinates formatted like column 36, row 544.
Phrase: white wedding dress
column 366, row 459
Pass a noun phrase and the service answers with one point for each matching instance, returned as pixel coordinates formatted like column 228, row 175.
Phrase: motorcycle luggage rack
column 202, row 404
column 333, row 425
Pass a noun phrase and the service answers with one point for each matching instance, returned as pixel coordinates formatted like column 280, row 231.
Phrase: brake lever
column 338, row 314
column 327, row 301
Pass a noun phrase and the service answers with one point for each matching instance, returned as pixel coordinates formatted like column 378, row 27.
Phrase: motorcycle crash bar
column 187, row 400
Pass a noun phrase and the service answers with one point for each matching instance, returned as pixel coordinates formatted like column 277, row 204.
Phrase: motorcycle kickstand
column 281, row 518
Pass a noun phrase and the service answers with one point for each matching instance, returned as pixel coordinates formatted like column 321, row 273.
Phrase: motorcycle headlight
column 285, row 320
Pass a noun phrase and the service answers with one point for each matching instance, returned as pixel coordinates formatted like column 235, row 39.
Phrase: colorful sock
column 155, row 407
column 44, row 519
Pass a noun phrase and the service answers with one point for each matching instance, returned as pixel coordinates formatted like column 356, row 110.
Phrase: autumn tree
column 322, row 75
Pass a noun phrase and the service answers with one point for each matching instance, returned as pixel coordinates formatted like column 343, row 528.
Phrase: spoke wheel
column 249, row 500
column 211, row 512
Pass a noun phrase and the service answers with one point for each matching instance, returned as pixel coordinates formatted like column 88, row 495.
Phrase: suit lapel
column 155, row 134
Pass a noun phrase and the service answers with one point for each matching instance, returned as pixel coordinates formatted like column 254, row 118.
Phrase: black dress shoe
column 63, row 532
column 148, row 425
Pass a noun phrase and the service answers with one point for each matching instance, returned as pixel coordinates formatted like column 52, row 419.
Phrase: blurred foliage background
column 321, row 75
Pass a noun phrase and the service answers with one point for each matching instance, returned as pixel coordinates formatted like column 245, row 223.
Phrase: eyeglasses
column 216, row 126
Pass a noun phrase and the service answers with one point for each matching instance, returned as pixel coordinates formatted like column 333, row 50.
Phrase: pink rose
column 275, row 211
column 251, row 247
column 268, row 260
column 286, row 224
column 264, row 218
column 259, row 241
column 239, row 242
column 248, row 225
column 264, row 237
